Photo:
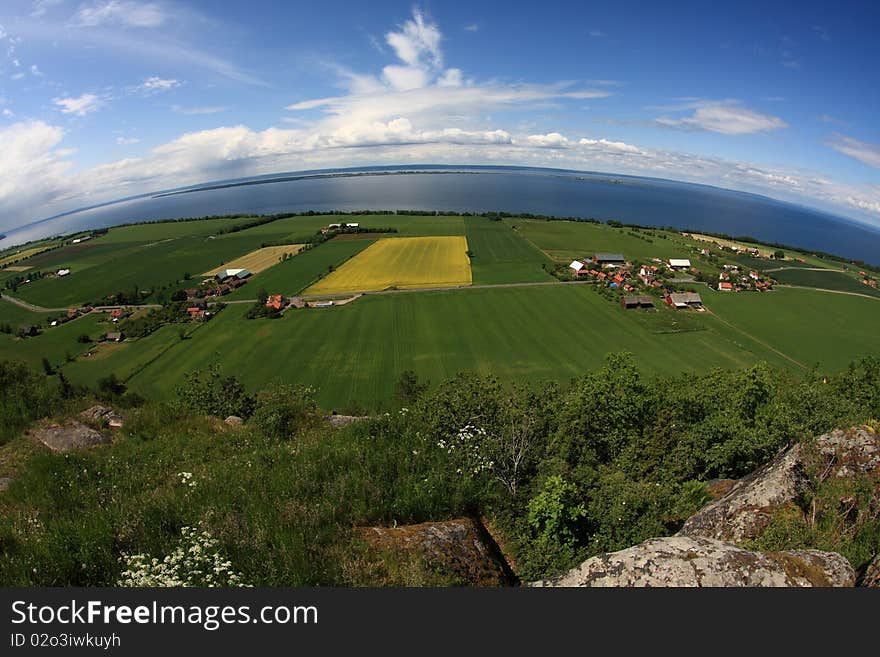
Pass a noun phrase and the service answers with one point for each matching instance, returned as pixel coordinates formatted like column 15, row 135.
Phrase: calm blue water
column 630, row 199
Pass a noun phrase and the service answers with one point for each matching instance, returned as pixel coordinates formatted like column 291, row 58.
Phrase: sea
column 564, row 193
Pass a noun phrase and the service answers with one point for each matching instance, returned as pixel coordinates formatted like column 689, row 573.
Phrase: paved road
column 40, row 309
column 819, row 289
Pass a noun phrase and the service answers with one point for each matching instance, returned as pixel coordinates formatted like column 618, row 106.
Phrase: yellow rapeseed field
column 257, row 261
column 403, row 263
column 27, row 253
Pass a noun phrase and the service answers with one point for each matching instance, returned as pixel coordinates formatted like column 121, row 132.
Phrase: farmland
column 501, row 255
column 257, row 261
column 408, row 262
column 826, row 279
column 9, row 257
column 55, row 344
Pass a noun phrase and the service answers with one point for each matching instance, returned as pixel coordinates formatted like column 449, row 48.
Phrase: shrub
column 282, row 411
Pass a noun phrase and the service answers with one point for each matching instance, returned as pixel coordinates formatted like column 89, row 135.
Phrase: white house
column 577, row 266
column 679, row 263
column 62, row 272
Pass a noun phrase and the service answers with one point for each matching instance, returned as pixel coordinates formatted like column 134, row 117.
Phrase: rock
column 719, row 487
column 4, row 483
column 339, row 421
column 460, row 548
column 684, row 561
column 70, row 435
column 872, row 574
column 101, row 414
column 746, row 509
column 234, row 421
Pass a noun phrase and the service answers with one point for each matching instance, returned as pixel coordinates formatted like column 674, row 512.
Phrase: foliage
column 282, row 411
column 208, row 392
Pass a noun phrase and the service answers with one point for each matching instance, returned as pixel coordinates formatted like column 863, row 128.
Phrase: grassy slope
column 501, row 255
column 811, row 327
column 356, row 352
column 292, row 276
column 18, row 316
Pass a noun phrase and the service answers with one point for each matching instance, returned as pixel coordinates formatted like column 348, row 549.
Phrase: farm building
column 62, row 272
column 238, row 274
column 725, row 286
column 236, row 283
column 114, row 337
column 28, row 331
column 609, row 259
column 196, row 314
column 679, row 263
column 578, row 267
column 684, row 300
column 275, row 301
column 636, row 302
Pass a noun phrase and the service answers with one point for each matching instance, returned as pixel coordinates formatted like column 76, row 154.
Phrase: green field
column 55, row 344
column 293, row 275
column 18, row 316
column 823, row 279
column 565, row 240
column 356, row 352
column 501, row 255
column 809, row 326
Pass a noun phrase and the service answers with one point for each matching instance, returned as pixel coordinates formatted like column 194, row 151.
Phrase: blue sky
column 101, row 99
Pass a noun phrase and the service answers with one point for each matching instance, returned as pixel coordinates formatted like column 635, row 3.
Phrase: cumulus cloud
column 863, row 151
column 125, row 13
column 80, row 105
column 127, row 141
column 726, row 118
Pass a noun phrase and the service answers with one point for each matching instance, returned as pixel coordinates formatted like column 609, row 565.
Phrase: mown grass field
column 291, row 276
column 823, row 279
column 9, row 257
column 356, row 352
column 259, row 260
column 565, row 240
column 55, row 344
column 17, row 316
column 811, row 327
column 501, row 255
column 403, row 262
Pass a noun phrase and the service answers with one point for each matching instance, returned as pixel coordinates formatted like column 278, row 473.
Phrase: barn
column 636, row 302
column 609, row 259
column 679, row 263
column 684, row 300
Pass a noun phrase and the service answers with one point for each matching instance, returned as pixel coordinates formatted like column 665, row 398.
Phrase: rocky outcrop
column 339, row 421
column 746, row 509
column 68, row 436
column 234, row 421
column 102, row 415
column 683, row 561
column 460, row 548
column 872, row 574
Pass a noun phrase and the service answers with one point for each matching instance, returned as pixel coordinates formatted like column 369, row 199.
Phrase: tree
column 409, row 390
column 262, row 296
column 179, row 295
column 779, row 254
column 111, row 387
column 47, row 367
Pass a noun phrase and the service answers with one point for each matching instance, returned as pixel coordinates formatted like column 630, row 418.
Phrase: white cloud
column 81, row 105
column 40, row 7
column 550, row 140
column 127, row 141
column 197, row 111
column 35, row 71
column 725, row 117
column 863, row 151
column 125, row 13
column 7, row 113
column 473, row 27
column 154, row 85
column 596, row 34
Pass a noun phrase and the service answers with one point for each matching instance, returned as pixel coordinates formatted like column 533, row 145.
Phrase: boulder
column 234, row 421
column 683, row 561
column 747, row 508
column 460, row 548
column 102, row 414
column 70, row 435
column 872, row 574
column 339, row 421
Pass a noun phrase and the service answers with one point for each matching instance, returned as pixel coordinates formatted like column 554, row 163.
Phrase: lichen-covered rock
column 460, row 548
column 70, row 435
column 872, row 574
column 234, row 421
column 683, row 561
column 746, row 509
column 102, row 414
column 339, row 421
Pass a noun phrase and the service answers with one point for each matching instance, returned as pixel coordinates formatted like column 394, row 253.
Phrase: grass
column 98, row 270
column 259, row 260
column 811, row 327
column 55, row 344
column 18, row 316
column 291, row 276
column 21, row 255
column 356, row 352
column 827, row 279
column 564, row 240
column 413, row 262
column 501, row 255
